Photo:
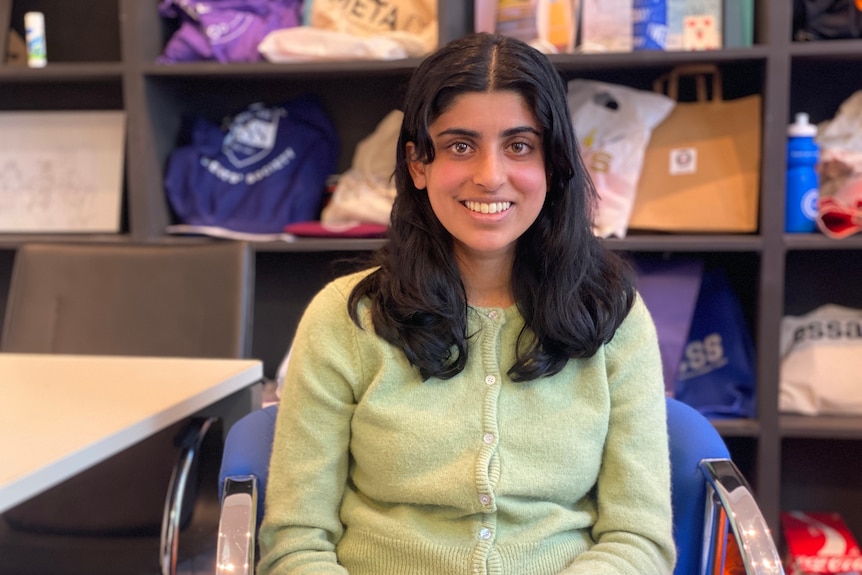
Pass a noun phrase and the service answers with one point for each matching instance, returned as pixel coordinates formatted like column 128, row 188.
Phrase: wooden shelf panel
column 653, row 58
column 827, row 50
column 635, row 243
column 320, row 245
column 340, row 68
column 821, row 242
column 821, row 427
column 737, row 427
column 687, row 243
column 12, row 241
column 62, row 72
column 563, row 62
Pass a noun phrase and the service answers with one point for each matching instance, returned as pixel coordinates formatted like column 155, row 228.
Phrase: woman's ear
column 416, row 167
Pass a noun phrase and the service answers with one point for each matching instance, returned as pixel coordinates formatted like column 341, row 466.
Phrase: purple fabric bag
column 225, row 30
column 670, row 288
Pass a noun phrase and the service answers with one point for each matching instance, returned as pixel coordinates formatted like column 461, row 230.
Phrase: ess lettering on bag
column 819, row 330
column 702, row 357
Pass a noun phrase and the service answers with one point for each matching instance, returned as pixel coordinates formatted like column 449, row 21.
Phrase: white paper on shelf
column 220, row 232
column 61, row 171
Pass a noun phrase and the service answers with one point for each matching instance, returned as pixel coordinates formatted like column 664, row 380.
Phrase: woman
column 489, row 397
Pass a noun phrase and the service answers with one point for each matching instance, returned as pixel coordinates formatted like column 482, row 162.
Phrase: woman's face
column 487, row 183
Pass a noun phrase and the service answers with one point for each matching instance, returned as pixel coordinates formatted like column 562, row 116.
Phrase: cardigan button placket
column 487, row 471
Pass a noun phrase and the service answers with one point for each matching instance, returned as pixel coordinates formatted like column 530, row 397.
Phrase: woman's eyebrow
column 508, row 132
column 459, row 132
column 520, row 130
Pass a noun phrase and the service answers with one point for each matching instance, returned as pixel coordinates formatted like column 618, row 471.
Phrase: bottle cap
column 801, row 127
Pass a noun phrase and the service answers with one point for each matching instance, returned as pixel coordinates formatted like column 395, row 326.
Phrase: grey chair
column 125, row 515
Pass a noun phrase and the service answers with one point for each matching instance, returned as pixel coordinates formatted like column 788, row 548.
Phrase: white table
column 61, row 414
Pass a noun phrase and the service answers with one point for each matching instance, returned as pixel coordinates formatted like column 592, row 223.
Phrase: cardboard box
column 694, row 24
column 819, row 543
column 61, row 172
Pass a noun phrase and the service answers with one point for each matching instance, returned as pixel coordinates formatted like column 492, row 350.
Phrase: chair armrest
column 730, row 502
column 237, row 538
column 190, row 443
column 247, row 449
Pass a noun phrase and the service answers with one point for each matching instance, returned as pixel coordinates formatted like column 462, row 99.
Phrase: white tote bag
column 821, row 356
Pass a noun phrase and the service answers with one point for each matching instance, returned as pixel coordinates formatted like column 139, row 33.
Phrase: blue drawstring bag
column 267, row 170
column 716, row 374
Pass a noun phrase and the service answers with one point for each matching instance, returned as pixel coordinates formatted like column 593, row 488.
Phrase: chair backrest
column 692, row 438
column 161, row 300
column 123, row 299
column 693, row 441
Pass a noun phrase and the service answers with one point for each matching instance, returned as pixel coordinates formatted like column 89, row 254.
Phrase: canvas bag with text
column 701, row 170
column 820, row 353
column 410, row 21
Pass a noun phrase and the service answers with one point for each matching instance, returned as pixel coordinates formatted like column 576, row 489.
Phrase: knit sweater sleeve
column 309, row 462
column 633, row 530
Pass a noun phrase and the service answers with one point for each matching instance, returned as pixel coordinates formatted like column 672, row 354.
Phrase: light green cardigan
column 375, row 472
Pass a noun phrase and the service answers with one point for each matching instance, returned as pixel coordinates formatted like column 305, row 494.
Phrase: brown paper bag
column 701, row 170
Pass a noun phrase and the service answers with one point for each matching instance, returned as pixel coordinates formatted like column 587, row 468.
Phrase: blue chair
column 711, row 498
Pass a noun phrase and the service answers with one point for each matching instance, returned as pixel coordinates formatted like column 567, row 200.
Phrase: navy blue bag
column 716, row 375
column 267, row 170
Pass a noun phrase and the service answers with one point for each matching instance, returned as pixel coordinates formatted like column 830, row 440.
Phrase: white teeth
column 492, row 208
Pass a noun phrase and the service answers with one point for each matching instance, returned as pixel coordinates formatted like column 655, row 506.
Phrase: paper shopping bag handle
column 669, row 83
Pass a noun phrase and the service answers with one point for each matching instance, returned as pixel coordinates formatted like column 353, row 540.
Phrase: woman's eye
column 460, row 148
column 520, row 147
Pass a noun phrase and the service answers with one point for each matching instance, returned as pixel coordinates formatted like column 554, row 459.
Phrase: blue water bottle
column 802, row 181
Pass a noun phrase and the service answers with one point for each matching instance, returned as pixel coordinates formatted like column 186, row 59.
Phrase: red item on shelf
column 819, row 543
column 315, row 229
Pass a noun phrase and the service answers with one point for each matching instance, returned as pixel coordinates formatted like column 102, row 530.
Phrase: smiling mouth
column 487, row 208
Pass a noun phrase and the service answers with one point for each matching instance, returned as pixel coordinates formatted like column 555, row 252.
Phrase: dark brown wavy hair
column 571, row 291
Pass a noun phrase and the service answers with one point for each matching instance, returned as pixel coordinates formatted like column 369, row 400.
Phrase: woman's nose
column 490, row 171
